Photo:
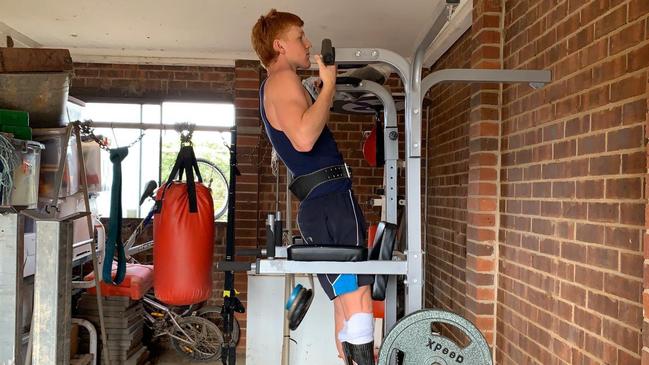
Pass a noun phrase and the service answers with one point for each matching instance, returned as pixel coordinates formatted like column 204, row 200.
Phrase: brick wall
column 152, row 82
column 565, row 168
column 645, row 294
column 572, row 190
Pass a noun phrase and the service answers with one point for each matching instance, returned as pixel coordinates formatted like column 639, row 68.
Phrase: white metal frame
column 415, row 88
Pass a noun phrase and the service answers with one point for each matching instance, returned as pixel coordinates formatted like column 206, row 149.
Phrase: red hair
column 268, row 28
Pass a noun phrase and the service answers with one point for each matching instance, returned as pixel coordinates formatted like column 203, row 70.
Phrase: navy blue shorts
column 335, row 219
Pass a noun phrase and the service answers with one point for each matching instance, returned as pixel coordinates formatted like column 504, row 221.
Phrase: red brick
column 630, row 188
column 593, row 233
column 629, row 87
column 564, row 149
column 246, row 74
column 637, row 8
column 604, row 258
column 625, row 238
column 81, row 72
column 623, row 336
column 634, row 112
column 247, row 103
column 591, row 144
column 603, row 304
column 111, row 73
column 631, row 264
column 623, row 357
column 594, row 53
column 589, row 277
column 162, row 75
column 218, row 77
column 185, row 76
column 603, row 212
column 563, row 189
column 625, row 138
column 581, row 39
column 628, row 36
column 605, row 165
column 634, row 163
column 567, row 107
column 596, row 97
column 638, row 58
column 590, row 189
column 573, row 252
column 565, row 230
column 610, row 22
column 623, row 287
column 632, row 214
column 606, row 119
column 588, row 320
column 578, row 126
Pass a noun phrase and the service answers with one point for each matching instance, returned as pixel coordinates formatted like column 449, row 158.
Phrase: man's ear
column 278, row 46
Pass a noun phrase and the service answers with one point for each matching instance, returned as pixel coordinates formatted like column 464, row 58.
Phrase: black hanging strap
column 185, row 164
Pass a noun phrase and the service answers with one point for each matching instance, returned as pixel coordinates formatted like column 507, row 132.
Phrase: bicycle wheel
column 213, row 314
column 215, row 179
column 199, row 339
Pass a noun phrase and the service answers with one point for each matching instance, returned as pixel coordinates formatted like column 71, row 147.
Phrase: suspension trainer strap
column 114, row 241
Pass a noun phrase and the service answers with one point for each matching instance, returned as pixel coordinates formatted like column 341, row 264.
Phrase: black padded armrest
column 346, row 80
column 326, row 253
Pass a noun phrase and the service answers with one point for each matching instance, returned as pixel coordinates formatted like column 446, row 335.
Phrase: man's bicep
column 289, row 108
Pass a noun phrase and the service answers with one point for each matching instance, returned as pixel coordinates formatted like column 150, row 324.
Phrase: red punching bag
column 373, row 149
column 183, row 232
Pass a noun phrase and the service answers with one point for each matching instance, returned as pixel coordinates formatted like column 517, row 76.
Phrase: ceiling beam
column 169, row 58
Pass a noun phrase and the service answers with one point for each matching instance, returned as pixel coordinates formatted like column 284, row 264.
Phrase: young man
column 297, row 129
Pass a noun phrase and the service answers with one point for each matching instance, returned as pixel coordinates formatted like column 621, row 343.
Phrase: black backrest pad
column 388, row 242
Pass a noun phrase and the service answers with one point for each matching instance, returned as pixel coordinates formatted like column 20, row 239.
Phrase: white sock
column 342, row 335
column 358, row 330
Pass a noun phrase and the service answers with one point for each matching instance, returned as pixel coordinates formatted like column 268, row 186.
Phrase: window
column 153, row 157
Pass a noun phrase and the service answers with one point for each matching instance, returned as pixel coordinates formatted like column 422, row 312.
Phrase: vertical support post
column 11, row 280
column 390, row 304
column 415, row 288
column 52, row 292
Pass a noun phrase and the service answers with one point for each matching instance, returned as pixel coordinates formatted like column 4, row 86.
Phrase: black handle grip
column 328, row 52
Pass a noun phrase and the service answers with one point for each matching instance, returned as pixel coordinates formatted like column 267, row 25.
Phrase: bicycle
column 216, row 181
column 190, row 334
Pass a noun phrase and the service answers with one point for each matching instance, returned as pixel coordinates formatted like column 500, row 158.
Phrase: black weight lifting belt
column 304, row 184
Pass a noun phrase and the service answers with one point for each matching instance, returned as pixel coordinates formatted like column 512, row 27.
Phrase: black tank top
column 323, row 154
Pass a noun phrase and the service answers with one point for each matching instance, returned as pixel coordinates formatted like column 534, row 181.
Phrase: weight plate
column 414, row 338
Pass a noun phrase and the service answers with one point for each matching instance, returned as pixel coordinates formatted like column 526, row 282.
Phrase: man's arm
column 302, row 123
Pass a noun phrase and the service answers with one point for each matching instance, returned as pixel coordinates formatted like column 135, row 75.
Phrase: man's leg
column 357, row 336
column 358, row 301
column 339, row 317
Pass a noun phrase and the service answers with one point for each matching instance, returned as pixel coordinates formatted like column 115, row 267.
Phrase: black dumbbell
column 328, row 52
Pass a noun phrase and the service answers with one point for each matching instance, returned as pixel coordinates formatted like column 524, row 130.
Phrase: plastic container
column 92, row 160
column 43, row 95
column 54, row 140
column 24, row 192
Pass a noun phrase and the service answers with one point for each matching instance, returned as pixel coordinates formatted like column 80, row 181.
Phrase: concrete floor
column 164, row 355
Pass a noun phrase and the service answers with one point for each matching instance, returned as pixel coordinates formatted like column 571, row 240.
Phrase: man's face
column 296, row 47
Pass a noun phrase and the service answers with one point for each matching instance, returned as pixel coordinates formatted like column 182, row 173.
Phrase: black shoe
column 361, row 354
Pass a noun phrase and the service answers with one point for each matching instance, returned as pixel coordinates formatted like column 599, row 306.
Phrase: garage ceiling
column 207, row 31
